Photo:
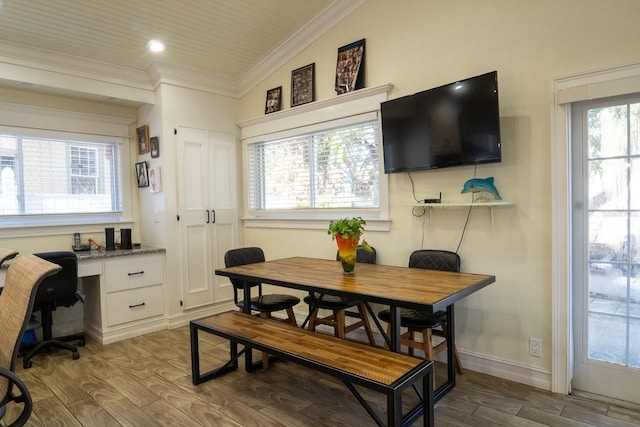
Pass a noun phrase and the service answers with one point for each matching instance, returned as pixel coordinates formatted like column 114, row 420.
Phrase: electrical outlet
column 535, row 347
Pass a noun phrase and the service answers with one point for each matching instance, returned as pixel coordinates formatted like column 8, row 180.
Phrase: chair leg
column 455, row 350
column 428, row 344
column 340, row 323
column 411, row 337
column 292, row 316
column 312, row 319
column 366, row 324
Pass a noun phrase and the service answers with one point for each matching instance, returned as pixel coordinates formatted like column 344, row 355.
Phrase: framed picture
column 274, row 100
column 155, row 146
column 303, row 85
column 143, row 139
column 350, row 67
column 155, row 183
column 142, row 174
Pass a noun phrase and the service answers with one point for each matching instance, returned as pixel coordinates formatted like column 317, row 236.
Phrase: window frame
column 58, row 124
column 302, row 119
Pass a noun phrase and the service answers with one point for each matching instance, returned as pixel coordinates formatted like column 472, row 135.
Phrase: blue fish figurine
column 479, row 185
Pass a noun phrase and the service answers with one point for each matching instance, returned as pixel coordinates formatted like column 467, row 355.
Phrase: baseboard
column 120, row 333
column 484, row 364
column 507, row 370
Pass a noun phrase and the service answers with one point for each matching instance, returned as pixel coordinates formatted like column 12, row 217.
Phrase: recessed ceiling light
column 154, row 46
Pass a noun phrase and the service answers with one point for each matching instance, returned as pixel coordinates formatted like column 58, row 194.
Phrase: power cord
column 475, row 168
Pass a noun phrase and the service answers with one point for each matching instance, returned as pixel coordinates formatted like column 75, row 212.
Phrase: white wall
column 419, row 44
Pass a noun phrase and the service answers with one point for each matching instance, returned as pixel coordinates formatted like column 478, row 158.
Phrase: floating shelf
column 490, row 205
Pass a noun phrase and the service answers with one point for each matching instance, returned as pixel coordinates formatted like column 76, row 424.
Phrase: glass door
column 606, row 247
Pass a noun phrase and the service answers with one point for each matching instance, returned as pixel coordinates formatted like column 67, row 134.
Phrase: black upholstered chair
column 340, row 306
column 267, row 304
column 427, row 324
column 16, row 301
column 59, row 290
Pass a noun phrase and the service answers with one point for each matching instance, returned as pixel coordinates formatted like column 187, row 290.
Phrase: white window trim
column 350, row 104
column 46, row 122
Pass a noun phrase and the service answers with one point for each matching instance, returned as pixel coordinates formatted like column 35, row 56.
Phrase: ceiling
column 225, row 38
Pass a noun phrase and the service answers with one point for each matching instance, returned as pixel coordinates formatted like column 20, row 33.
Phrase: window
column 56, row 176
column 84, row 170
column 315, row 162
column 326, row 169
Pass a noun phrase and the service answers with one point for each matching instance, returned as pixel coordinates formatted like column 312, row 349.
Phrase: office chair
column 340, row 305
column 265, row 305
column 60, row 290
column 422, row 321
column 16, row 301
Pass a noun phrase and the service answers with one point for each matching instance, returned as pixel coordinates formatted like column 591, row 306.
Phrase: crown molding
column 161, row 73
column 297, row 42
column 58, row 71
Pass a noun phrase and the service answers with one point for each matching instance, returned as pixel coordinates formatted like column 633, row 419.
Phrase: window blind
column 318, row 169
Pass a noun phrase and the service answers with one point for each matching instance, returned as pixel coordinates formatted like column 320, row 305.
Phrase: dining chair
column 423, row 322
column 16, row 301
column 267, row 304
column 340, row 306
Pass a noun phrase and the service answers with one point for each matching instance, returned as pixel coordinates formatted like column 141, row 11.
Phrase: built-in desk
column 124, row 292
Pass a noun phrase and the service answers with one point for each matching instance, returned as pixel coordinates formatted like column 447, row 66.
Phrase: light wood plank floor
column 146, row 381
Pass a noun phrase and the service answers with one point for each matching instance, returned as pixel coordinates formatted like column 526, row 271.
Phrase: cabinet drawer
column 135, row 304
column 133, row 272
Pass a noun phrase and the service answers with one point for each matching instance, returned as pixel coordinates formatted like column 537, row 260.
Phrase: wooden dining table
column 391, row 286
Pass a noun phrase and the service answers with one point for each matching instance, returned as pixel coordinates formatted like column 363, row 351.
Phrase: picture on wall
column 143, row 139
column 274, row 100
column 155, row 182
column 142, row 174
column 155, row 146
column 350, row 67
column 302, row 85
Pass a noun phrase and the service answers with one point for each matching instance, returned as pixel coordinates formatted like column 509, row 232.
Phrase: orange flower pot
column 347, row 251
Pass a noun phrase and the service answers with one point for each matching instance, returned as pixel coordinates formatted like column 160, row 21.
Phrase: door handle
column 214, row 216
column 208, row 219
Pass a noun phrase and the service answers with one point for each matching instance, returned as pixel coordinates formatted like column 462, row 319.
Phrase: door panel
column 606, row 233
column 208, row 212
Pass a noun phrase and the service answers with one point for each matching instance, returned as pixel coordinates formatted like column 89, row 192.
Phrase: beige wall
column 416, row 45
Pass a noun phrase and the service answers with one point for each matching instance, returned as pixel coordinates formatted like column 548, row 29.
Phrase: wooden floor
column 146, row 381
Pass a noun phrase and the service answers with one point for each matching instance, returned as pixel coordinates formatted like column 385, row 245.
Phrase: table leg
column 248, row 354
column 394, row 324
column 448, row 385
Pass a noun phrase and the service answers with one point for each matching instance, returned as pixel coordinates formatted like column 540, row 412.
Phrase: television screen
column 451, row 125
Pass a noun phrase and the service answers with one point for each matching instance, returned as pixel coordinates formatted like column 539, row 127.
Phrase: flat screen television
column 452, row 125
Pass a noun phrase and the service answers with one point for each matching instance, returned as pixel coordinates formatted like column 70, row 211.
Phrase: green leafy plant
column 348, row 228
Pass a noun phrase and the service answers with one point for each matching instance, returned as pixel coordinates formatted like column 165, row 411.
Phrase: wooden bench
column 352, row 362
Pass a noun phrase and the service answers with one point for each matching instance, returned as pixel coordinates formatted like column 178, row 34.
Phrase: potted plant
column 347, row 232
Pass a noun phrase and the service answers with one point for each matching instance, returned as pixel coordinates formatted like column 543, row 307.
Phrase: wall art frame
column 142, row 175
column 303, row 88
column 142, row 134
column 154, row 142
column 274, row 100
column 350, row 67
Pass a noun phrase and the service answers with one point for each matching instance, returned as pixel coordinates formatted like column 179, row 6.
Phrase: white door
column 207, row 211
column 606, row 247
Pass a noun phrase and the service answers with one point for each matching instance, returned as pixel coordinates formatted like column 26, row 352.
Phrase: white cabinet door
column 207, row 207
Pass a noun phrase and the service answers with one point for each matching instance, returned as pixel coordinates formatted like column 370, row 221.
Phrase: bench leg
column 231, row 365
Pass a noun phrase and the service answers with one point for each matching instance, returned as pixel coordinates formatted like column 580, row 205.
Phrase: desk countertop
column 97, row 254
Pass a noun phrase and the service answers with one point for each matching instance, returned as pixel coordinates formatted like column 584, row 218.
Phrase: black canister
column 125, row 238
column 110, row 239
